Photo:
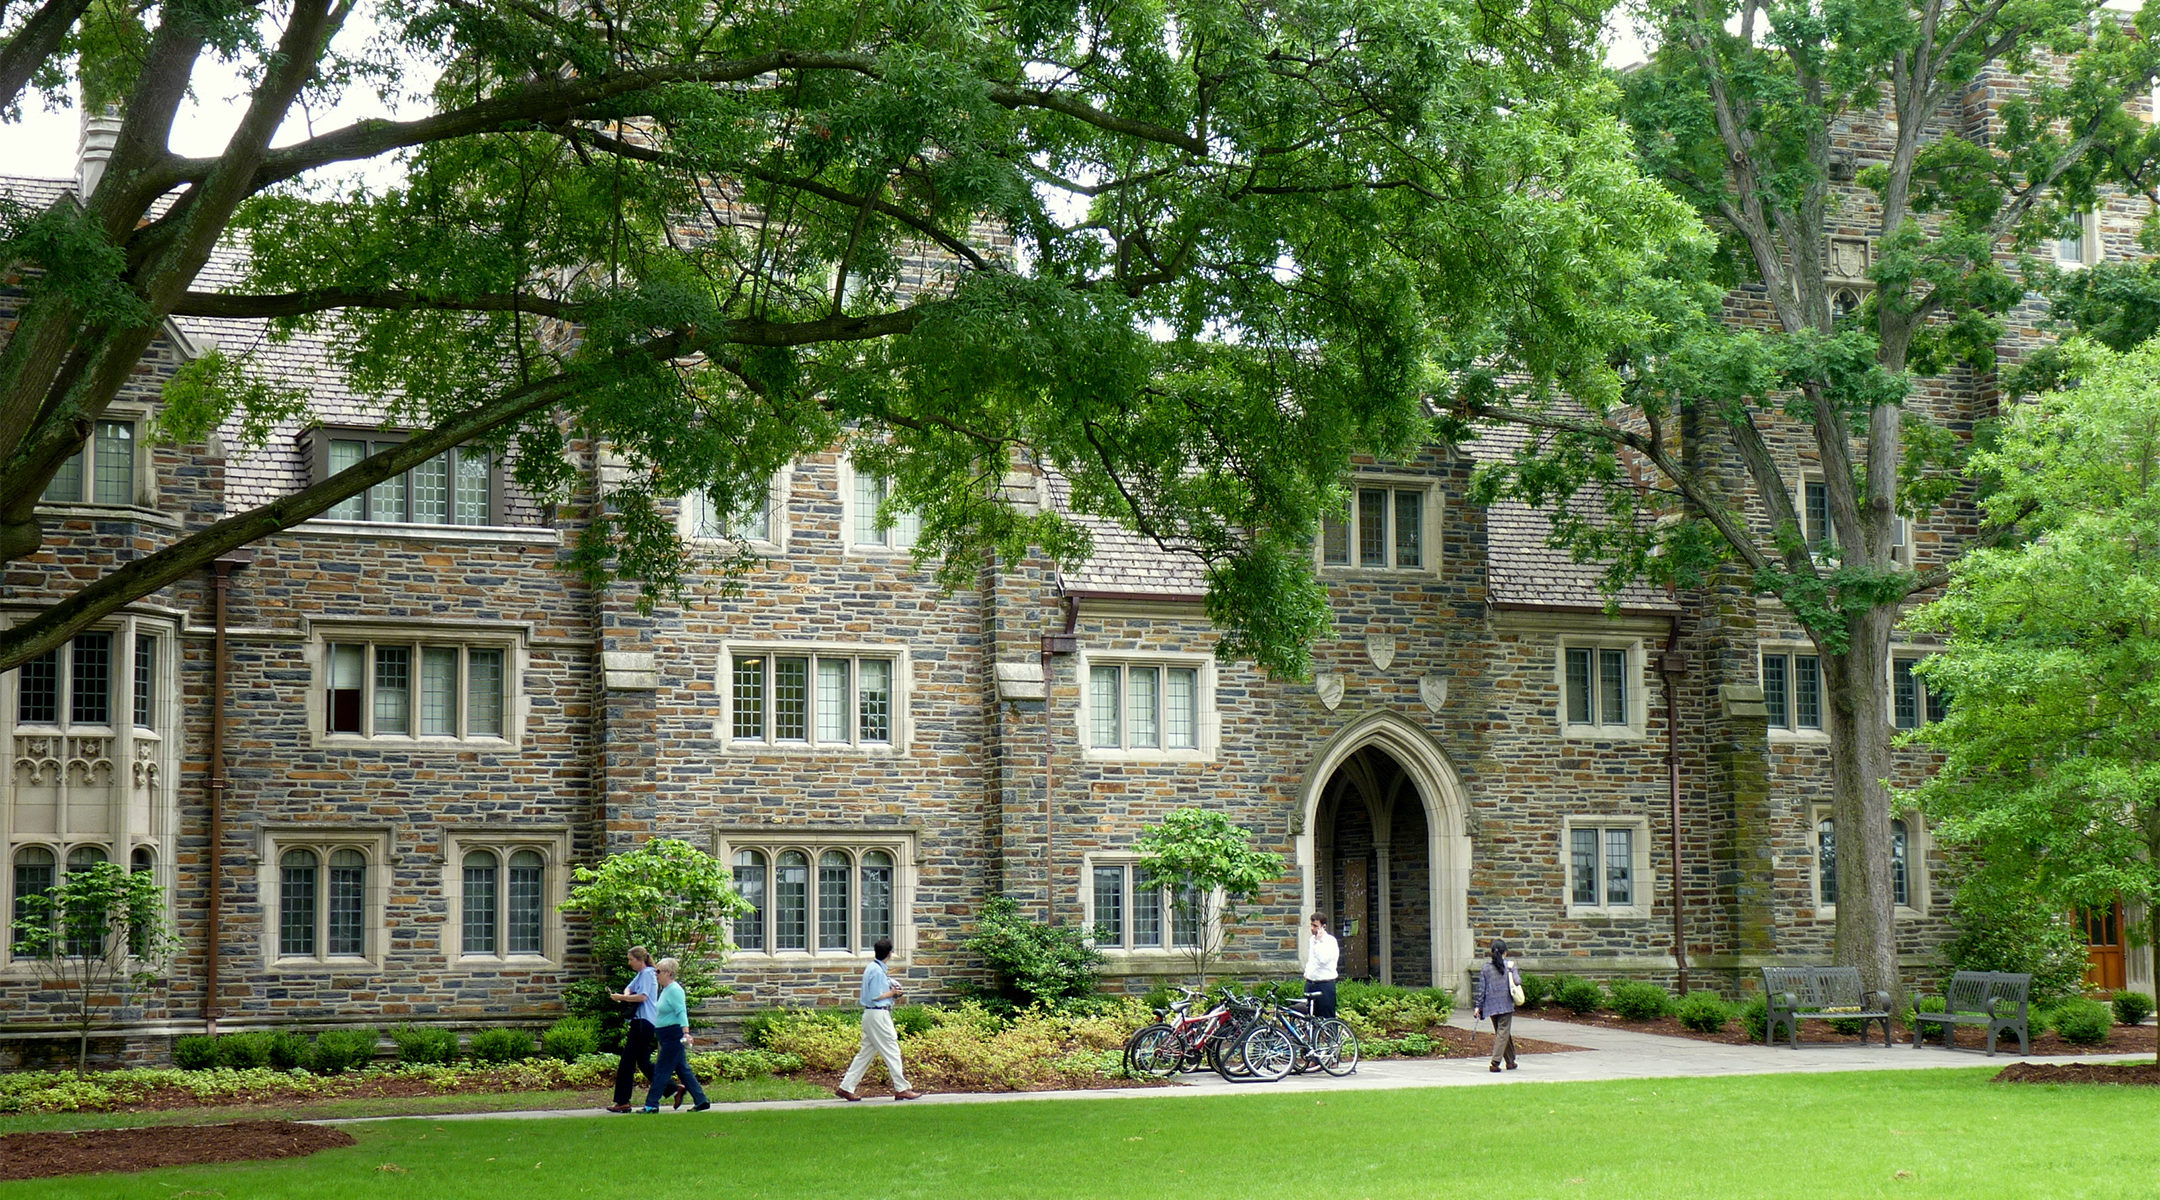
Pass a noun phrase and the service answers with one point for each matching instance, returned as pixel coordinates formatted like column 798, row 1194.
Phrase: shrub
column 911, row 1019
column 2132, row 1007
column 572, row 1038
column 1031, row 963
column 758, row 1026
column 1394, row 1009
column 425, row 1046
column 1704, row 1012
column 1536, row 990
column 243, row 1051
column 337, row 1051
column 194, row 1052
column 498, row 1046
column 1640, row 1000
column 2001, row 927
column 2083, row 1022
column 1579, row 996
column 743, row 1064
column 1162, row 995
column 1755, row 1016
column 825, row 1040
column 284, row 1049
column 1414, row 1045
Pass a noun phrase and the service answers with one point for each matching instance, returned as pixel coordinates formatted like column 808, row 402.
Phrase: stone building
column 365, row 754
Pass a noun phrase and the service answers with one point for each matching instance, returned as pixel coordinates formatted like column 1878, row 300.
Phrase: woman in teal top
column 671, row 1021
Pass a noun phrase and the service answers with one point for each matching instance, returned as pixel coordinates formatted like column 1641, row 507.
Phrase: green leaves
column 668, row 896
column 2051, row 748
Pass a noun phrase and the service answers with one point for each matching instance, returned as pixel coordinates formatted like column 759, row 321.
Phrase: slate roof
column 257, row 475
column 1522, row 569
column 1126, row 562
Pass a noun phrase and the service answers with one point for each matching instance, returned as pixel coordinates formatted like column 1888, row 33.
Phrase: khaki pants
column 879, row 1040
column 1503, row 1038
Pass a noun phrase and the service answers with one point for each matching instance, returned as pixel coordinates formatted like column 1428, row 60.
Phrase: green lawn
column 721, row 1091
column 1946, row 1133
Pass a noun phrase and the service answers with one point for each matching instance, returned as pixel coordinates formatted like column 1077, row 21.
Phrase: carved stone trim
column 1329, row 684
column 37, row 759
column 1380, row 647
column 89, row 759
column 1432, row 689
column 146, row 764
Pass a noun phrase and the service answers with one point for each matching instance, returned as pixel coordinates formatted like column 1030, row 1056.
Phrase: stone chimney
column 100, row 132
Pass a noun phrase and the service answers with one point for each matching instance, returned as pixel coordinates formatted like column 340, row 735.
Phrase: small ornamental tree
column 1211, row 867
column 667, row 896
column 2051, row 744
column 98, row 938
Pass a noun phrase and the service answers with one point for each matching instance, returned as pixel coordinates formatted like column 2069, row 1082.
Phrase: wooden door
column 2104, row 968
column 1357, row 899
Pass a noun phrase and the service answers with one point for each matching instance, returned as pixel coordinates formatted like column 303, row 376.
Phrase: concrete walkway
column 1606, row 1054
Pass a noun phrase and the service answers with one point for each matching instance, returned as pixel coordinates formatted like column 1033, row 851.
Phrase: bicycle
column 1288, row 1038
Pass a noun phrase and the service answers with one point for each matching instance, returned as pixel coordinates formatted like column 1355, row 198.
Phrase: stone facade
column 879, row 754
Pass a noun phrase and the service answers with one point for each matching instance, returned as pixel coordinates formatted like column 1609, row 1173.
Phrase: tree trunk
column 1859, row 724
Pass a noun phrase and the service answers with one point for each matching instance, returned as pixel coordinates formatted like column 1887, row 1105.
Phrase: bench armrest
column 1882, row 1001
column 1783, row 1000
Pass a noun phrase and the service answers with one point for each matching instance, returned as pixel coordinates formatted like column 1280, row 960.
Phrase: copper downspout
column 1053, row 644
column 1671, row 665
column 220, row 584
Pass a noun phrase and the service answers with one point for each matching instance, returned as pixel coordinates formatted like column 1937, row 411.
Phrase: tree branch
column 33, row 42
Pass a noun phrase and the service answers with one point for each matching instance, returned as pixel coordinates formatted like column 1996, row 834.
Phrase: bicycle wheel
column 1337, row 1045
column 1227, row 1054
column 1269, row 1054
column 1155, row 1051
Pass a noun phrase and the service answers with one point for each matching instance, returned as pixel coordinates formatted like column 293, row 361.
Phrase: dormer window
column 461, row 486
column 103, row 471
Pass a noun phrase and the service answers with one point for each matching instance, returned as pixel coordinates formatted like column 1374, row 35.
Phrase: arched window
column 1826, row 862
column 791, row 899
column 36, row 872
column 299, row 884
column 877, row 896
column 524, row 917
column 750, row 881
column 834, row 874
column 348, row 904
column 482, row 879
column 141, row 861
column 1900, row 865
column 90, row 928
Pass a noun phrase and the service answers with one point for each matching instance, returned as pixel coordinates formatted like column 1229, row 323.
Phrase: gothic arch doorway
column 1384, row 855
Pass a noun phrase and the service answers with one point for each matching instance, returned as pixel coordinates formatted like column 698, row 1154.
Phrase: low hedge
column 1639, row 1000
column 2131, row 1008
column 1704, row 1012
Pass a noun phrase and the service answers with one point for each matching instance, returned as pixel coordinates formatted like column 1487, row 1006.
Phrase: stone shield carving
column 1330, row 686
column 1380, row 647
column 1432, row 689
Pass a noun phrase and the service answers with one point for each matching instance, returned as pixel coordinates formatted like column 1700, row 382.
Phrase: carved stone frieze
column 89, row 760
column 37, row 759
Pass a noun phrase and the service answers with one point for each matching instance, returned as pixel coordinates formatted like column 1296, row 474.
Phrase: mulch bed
column 1463, row 1043
column 96, row 1151
column 2122, row 1039
column 2138, row 1074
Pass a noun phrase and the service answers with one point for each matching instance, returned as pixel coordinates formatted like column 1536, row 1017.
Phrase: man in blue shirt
column 879, row 1040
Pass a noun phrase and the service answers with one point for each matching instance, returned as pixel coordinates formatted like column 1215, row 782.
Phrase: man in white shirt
column 1320, row 968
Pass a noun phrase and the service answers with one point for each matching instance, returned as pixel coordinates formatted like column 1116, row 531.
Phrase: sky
column 44, row 143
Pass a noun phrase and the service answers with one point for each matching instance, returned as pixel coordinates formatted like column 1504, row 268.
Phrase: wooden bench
column 1996, row 999
column 1795, row 994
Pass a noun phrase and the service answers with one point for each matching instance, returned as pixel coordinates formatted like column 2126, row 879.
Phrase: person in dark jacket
column 1495, row 998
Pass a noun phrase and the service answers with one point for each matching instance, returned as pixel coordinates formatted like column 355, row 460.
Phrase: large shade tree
column 1784, row 122
column 1191, row 255
column 2051, row 768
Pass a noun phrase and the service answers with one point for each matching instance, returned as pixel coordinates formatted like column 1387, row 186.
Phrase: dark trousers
column 674, row 1062
column 1322, row 994
column 636, row 1059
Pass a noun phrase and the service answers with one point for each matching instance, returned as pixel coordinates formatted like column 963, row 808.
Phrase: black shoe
column 699, row 1107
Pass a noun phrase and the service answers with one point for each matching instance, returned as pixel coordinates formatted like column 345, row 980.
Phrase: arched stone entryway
column 1381, row 840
